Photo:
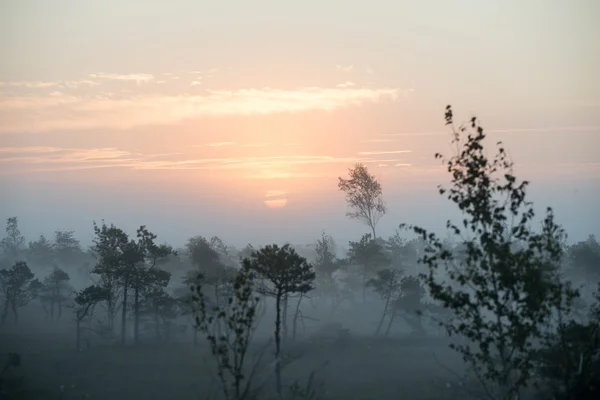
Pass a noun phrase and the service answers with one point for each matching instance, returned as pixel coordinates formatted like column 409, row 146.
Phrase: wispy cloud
column 38, row 158
column 45, row 112
column 256, row 144
column 565, row 129
column 29, row 84
column 346, row 84
column 138, row 78
column 48, row 84
column 221, row 144
column 345, row 68
column 372, row 153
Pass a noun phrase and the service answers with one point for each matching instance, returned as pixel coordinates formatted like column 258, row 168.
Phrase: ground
column 362, row 369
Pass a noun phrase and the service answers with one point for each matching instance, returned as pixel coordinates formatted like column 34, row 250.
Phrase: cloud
column 372, row 153
column 221, row 144
column 65, row 111
column 40, row 158
column 565, row 129
column 345, row 68
column 49, row 84
column 29, row 84
column 378, row 141
column 256, row 145
column 196, row 83
column 347, row 84
column 138, row 78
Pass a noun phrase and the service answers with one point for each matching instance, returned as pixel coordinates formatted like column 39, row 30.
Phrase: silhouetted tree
column 19, row 287
column 12, row 245
column 56, row 291
column 585, row 257
column 209, row 267
column 229, row 329
column 363, row 196
column 369, row 255
column 118, row 257
column 326, row 261
column 387, row 285
column 409, row 303
column 85, row 301
column 146, row 277
column 41, row 252
column 286, row 273
column 503, row 299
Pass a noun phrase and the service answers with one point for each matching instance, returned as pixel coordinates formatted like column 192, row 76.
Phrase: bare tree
column 363, row 195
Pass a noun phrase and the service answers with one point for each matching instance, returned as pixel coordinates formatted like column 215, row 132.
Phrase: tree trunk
column 156, row 322
column 278, row 343
column 15, row 312
column 59, row 310
column 374, row 235
column 387, row 303
column 124, row 313
column 389, row 327
column 5, row 311
column 78, row 335
column 296, row 316
column 284, row 317
column 364, row 284
column 136, row 314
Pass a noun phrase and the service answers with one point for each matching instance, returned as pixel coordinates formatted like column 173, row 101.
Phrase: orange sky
column 242, row 107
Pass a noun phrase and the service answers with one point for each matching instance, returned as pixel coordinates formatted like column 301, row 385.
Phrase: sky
column 236, row 118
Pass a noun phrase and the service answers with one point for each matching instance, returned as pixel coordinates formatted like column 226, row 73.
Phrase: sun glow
column 275, row 199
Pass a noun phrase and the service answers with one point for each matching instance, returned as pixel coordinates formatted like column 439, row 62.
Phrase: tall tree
column 387, row 285
column 41, row 252
column 369, row 255
column 12, row 245
column 364, row 196
column 229, row 329
column 286, row 273
column 504, row 296
column 67, row 248
column 85, row 301
column 326, row 261
column 209, row 267
column 18, row 286
column 55, row 292
column 117, row 258
column 145, row 275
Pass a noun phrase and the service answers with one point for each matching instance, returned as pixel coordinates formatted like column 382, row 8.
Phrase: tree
column 117, row 260
column 409, row 302
column 85, row 301
column 229, row 329
column 387, row 285
column 56, row 291
column 12, row 245
column 145, row 276
column 326, row 262
column 363, row 196
column 502, row 298
column 41, row 252
column 286, row 273
column 66, row 247
column 19, row 287
column 585, row 257
column 209, row 266
column 370, row 256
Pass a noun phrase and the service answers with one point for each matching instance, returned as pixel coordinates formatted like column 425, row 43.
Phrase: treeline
column 525, row 305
